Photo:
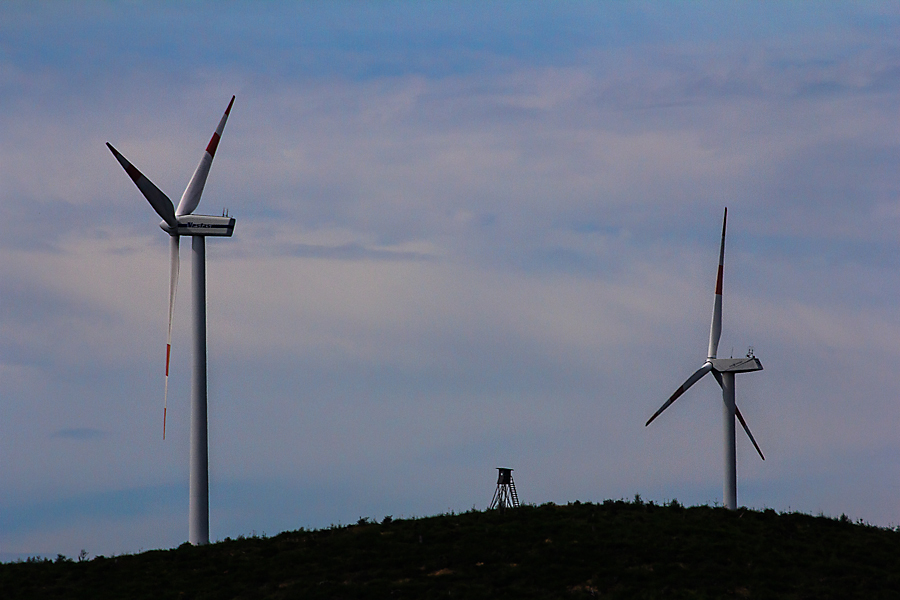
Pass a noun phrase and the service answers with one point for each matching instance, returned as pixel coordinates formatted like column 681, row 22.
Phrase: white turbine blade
column 740, row 417
column 158, row 200
column 191, row 197
column 706, row 368
column 173, row 285
column 715, row 328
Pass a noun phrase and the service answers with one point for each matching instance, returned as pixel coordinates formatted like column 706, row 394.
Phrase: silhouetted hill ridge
column 616, row 549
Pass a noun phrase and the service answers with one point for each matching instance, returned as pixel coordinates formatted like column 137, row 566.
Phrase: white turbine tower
column 723, row 369
column 178, row 222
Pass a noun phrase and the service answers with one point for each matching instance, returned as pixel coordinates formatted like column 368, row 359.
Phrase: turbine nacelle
column 205, row 225
column 735, row 365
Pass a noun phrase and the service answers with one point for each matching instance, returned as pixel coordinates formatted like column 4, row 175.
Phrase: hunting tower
column 505, row 496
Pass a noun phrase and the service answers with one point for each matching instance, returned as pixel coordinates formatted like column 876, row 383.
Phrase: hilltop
column 616, row 549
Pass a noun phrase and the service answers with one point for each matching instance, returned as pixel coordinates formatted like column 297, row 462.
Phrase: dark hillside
column 615, row 550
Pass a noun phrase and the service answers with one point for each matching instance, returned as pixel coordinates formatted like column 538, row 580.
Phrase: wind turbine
column 178, row 222
column 723, row 369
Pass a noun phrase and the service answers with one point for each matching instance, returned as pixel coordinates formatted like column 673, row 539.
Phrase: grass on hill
column 616, row 549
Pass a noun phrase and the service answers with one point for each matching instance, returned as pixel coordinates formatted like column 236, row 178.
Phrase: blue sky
column 469, row 235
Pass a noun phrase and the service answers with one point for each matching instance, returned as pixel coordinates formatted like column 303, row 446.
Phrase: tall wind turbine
column 178, row 222
column 723, row 369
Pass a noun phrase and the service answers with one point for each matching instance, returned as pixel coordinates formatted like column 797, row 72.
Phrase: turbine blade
column 740, row 417
column 747, row 429
column 684, row 387
column 158, row 200
column 173, row 286
column 191, row 197
column 715, row 328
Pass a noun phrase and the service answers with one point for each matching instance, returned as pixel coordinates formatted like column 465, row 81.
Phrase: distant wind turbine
column 177, row 223
column 723, row 369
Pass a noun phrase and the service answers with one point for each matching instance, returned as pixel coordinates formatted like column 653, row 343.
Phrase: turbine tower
column 723, row 369
column 178, row 222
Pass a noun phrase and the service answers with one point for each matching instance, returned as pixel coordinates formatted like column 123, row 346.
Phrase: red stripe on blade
column 213, row 144
column 133, row 172
column 168, row 351
column 719, row 280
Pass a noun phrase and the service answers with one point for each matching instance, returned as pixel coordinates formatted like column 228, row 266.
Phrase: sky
column 468, row 235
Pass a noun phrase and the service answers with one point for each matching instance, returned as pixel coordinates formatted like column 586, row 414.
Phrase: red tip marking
column 719, row 281
column 213, row 144
column 133, row 172
column 228, row 110
column 168, row 351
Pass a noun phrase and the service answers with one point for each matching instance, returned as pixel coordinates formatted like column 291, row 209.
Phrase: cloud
column 80, row 433
column 351, row 251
